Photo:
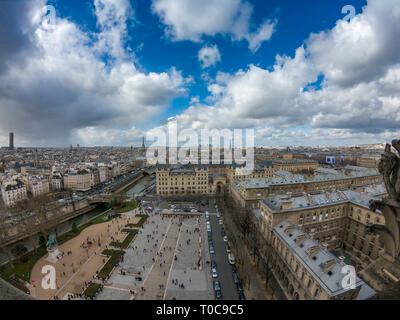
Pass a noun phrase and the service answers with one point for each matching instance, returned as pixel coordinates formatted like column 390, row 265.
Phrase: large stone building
column 368, row 161
column 80, row 180
column 183, row 180
column 247, row 193
column 338, row 219
column 295, row 165
column 38, row 185
column 306, row 270
column 13, row 192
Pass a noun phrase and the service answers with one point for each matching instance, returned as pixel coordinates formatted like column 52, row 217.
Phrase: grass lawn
column 91, row 290
column 109, row 266
column 71, row 234
column 128, row 206
column 127, row 241
column 22, row 270
column 141, row 222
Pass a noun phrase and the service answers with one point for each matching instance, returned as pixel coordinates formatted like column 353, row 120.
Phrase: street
column 224, row 269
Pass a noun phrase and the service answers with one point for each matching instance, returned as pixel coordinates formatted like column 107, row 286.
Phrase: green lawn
column 127, row 241
column 91, row 290
column 109, row 266
column 141, row 222
column 22, row 270
column 128, row 206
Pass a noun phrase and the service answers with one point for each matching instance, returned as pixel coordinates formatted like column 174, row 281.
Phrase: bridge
column 21, row 230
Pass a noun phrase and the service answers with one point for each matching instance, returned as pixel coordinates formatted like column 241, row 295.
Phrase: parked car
column 213, row 264
column 242, row 296
column 225, row 239
column 217, row 286
column 234, row 269
column 212, row 250
column 228, row 249
column 208, row 228
column 220, row 221
column 214, row 273
column 218, row 215
column 218, row 295
column 231, row 258
column 236, row 278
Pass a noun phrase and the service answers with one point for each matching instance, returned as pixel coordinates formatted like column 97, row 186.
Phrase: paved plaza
column 165, row 261
column 168, row 259
column 81, row 260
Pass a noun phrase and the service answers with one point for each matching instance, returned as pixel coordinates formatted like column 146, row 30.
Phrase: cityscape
column 229, row 150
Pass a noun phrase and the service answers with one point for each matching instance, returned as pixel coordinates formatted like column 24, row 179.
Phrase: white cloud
column 362, row 49
column 62, row 88
column 358, row 99
column 209, row 56
column 191, row 20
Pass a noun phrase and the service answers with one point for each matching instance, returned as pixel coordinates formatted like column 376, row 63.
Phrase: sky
column 107, row 72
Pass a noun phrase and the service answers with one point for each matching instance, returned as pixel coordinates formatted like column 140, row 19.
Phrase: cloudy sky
column 106, row 72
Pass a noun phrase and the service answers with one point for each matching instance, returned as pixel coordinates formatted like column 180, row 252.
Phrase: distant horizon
column 318, row 73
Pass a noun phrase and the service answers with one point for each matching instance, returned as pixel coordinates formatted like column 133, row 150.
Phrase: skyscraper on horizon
column 11, row 141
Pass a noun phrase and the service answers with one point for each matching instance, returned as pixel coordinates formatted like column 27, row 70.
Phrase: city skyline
column 92, row 73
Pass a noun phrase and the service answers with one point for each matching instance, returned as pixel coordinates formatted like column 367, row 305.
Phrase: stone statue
column 389, row 167
column 52, row 249
column 51, row 242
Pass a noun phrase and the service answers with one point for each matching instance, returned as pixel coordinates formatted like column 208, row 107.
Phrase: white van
column 231, row 258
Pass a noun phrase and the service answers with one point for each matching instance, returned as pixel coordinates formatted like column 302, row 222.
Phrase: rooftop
column 324, row 267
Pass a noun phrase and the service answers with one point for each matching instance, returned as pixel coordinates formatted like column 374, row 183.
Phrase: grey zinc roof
column 325, row 198
column 331, row 280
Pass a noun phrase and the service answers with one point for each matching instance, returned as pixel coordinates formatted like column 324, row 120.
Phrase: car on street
column 214, row 273
column 212, row 251
column 231, row 259
column 220, row 221
column 213, row 264
column 218, row 295
column 217, row 286
column 225, row 239
column 228, row 249
column 236, row 278
column 208, row 228
column 193, row 210
column 240, row 289
column 218, row 215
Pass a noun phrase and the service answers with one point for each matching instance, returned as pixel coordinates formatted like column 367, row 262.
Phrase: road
column 224, row 269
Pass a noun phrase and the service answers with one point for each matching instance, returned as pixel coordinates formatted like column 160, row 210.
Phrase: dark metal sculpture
column 389, row 167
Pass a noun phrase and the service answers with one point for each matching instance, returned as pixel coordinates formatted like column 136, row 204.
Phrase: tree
column 19, row 250
column 74, row 228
